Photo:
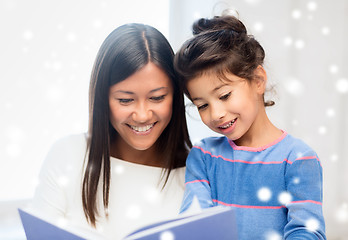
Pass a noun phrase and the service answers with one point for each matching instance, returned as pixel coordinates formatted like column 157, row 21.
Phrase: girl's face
column 231, row 108
column 141, row 107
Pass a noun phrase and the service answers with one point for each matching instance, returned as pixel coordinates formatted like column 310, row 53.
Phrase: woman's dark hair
column 221, row 45
column 125, row 51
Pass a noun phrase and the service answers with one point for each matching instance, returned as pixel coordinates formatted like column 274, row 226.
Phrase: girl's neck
column 122, row 150
column 261, row 133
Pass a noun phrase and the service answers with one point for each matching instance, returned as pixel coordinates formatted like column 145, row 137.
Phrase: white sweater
column 136, row 198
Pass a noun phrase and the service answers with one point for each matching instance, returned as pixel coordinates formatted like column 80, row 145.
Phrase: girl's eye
column 157, row 99
column 225, row 97
column 125, row 100
column 202, row 107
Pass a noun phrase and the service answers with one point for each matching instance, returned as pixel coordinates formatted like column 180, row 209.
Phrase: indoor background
column 47, row 49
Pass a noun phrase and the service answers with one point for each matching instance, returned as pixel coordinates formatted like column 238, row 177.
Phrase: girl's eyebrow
column 212, row 91
column 196, row 99
column 218, row 87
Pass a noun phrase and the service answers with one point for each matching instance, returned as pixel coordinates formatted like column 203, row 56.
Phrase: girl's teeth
column 142, row 129
column 228, row 125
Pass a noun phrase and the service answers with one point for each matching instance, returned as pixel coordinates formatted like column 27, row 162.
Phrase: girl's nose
column 142, row 113
column 217, row 112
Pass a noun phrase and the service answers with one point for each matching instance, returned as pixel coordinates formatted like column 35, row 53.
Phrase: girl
column 272, row 179
column 129, row 169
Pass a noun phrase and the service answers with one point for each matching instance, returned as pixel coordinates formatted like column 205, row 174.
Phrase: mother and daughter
column 128, row 170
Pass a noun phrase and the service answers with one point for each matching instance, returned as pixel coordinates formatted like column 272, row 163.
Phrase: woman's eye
column 225, row 97
column 125, row 100
column 202, row 107
column 159, row 98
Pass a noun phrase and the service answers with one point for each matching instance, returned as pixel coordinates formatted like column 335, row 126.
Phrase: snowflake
column 322, row 130
column 264, row 194
column 258, row 26
column 312, row 224
column 288, row 41
column 294, row 86
column 312, row 6
column 63, row 181
column 285, row 198
column 342, row 213
column 167, row 235
column 296, row 14
column 325, row 31
column 333, row 69
column 342, row 85
column 330, row 112
column 296, row 180
column 151, row 194
column 118, row 169
column 133, row 212
column 273, row 235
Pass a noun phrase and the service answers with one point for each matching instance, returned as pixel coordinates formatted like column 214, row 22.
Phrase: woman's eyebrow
column 122, row 91
column 157, row 89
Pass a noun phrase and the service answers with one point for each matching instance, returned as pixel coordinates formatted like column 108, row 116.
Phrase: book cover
column 212, row 223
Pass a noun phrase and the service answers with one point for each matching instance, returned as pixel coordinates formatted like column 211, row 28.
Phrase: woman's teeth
column 228, row 125
column 142, row 129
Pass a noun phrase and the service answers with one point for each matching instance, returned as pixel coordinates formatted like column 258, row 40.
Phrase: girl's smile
column 227, row 127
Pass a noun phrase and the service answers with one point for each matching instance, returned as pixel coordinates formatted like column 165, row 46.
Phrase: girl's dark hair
column 220, row 44
column 125, row 51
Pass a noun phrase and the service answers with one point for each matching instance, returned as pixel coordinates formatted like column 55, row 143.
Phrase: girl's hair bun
column 223, row 23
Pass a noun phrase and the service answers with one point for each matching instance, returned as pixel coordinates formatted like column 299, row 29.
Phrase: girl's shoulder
column 212, row 143
column 296, row 147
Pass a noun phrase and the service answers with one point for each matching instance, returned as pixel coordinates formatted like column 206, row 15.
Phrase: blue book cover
column 212, row 223
column 38, row 229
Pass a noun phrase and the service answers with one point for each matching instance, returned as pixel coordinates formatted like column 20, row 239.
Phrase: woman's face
column 141, row 106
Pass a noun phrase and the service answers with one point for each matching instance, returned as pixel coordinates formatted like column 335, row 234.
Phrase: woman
column 129, row 169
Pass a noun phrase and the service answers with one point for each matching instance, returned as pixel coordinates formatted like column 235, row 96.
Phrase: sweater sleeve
column 196, row 181
column 304, row 185
column 58, row 173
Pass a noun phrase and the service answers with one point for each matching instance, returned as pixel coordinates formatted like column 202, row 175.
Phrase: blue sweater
column 276, row 189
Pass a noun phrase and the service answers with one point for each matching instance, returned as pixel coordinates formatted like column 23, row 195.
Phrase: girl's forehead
column 212, row 77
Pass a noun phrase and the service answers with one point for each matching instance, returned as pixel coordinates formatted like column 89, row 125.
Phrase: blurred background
column 47, row 49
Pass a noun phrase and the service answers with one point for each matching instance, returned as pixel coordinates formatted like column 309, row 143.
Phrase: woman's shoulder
column 69, row 149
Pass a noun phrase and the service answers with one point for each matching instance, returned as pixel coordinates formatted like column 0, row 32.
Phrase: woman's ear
column 260, row 79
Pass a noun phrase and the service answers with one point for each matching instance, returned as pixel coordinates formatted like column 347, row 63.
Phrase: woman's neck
column 122, row 150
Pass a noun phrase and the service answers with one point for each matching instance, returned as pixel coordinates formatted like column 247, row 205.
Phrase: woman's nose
column 142, row 113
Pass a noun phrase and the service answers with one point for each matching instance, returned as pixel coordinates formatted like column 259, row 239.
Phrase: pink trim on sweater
column 257, row 149
column 305, row 158
column 246, row 206
column 194, row 181
column 263, row 207
column 241, row 161
column 308, row 201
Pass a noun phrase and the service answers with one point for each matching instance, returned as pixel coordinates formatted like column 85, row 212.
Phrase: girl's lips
column 227, row 127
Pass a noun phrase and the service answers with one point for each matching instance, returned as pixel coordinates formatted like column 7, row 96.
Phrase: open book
column 212, row 223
